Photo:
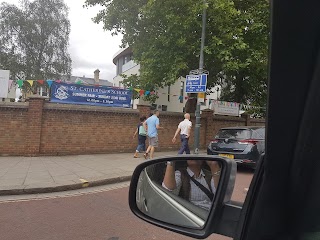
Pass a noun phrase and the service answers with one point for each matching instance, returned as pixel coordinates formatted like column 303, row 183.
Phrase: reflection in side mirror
column 179, row 192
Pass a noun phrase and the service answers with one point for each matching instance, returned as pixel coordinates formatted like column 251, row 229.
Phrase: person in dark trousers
column 185, row 129
column 142, row 137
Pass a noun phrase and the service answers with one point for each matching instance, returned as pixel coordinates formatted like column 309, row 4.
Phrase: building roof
column 120, row 53
column 85, row 80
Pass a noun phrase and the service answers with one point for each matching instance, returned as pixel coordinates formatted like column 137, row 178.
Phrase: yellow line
column 85, row 183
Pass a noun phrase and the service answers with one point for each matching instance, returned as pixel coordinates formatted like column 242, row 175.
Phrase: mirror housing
column 222, row 196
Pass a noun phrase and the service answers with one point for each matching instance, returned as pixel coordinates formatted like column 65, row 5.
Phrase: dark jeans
column 141, row 143
column 184, row 144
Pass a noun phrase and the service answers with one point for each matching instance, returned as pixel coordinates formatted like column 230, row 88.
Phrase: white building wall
column 131, row 69
column 212, row 96
column 11, row 93
column 169, row 98
column 174, row 104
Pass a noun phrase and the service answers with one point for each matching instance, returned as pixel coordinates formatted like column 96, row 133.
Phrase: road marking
column 67, row 194
column 85, row 183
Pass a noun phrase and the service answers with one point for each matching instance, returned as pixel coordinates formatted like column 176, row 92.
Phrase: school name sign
column 90, row 95
column 225, row 108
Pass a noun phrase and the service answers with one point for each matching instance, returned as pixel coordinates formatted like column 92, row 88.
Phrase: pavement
column 31, row 175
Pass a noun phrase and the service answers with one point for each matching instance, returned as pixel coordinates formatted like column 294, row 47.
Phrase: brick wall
column 43, row 128
column 170, row 122
column 257, row 122
column 13, row 128
column 33, row 130
column 72, row 129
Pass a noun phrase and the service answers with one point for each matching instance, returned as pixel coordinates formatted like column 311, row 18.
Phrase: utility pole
column 200, row 71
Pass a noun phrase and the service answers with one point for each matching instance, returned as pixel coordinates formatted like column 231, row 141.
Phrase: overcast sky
column 90, row 46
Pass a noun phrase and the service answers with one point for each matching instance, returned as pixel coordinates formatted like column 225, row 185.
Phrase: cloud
column 86, row 65
column 90, row 46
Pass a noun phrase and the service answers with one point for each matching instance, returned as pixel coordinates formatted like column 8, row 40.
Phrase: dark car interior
column 283, row 199
column 156, row 173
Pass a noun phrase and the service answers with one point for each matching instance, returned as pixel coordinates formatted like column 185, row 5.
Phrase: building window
column 42, row 91
column 168, row 93
column 164, row 108
column 118, row 67
column 181, row 91
column 154, row 106
column 127, row 58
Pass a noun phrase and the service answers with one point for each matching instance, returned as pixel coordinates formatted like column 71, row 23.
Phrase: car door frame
column 270, row 210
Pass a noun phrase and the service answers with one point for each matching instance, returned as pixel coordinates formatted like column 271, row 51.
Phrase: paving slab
column 26, row 175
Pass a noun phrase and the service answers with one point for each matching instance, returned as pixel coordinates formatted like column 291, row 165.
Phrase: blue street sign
column 196, row 83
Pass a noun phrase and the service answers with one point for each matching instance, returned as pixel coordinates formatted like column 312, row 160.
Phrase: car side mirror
column 186, row 194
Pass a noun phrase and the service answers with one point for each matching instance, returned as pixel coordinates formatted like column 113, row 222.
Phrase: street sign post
column 203, row 79
column 196, row 83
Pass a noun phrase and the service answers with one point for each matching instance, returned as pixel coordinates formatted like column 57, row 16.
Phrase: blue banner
column 90, row 95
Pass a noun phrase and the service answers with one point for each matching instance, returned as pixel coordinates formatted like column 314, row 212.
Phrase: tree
column 34, row 39
column 134, row 82
column 165, row 38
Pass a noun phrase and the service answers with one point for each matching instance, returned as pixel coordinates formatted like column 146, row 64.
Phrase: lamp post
column 200, row 71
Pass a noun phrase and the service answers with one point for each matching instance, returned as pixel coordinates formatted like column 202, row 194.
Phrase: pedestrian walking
column 142, row 137
column 184, row 128
column 152, row 124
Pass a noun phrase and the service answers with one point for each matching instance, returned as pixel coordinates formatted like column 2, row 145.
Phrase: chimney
column 96, row 75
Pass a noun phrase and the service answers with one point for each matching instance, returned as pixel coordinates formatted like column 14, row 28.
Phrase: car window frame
column 272, row 211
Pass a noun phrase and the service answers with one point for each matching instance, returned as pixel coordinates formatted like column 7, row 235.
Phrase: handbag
column 142, row 131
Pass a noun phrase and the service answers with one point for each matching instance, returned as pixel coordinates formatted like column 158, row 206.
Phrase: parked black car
column 242, row 144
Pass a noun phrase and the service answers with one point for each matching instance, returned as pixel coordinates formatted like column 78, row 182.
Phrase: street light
column 200, row 71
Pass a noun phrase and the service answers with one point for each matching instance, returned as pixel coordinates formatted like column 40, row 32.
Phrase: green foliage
column 34, row 39
column 165, row 38
column 132, row 82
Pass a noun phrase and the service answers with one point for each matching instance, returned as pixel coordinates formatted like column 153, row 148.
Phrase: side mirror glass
column 178, row 192
column 181, row 191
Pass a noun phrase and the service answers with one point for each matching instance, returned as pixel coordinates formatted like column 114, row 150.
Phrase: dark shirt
column 139, row 125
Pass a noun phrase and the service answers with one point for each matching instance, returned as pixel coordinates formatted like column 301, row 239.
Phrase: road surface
column 100, row 213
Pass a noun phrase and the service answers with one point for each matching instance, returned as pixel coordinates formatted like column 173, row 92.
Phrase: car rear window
column 259, row 133
column 234, row 133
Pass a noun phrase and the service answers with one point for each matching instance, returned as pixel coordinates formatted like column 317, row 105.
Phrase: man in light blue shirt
column 152, row 125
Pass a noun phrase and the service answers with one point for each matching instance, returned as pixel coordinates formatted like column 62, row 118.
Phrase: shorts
column 153, row 141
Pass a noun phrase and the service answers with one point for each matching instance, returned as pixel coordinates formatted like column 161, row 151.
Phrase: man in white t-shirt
column 185, row 129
